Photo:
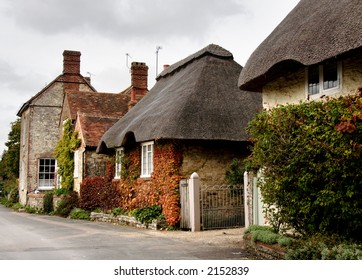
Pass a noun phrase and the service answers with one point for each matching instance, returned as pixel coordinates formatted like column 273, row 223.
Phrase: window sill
column 45, row 188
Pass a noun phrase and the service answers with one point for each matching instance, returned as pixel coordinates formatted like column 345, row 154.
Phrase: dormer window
column 324, row 79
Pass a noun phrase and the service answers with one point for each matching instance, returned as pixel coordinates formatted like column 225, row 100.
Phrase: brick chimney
column 139, row 79
column 71, row 62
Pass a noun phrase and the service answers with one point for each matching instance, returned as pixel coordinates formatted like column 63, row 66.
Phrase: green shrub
column 48, row 206
column 146, row 215
column 79, row 214
column 258, row 227
column 61, row 191
column 31, row 210
column 118, row 211
column 67, row 204
column 324, row 248
column 17, row 206
column 266, row 234
column 310, row 156
column 235, row 174
column 284, row 241
column 343, row 252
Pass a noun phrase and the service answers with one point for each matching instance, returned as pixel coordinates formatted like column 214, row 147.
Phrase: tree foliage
column 64, row 154
column 9, row 164
column 310, row 157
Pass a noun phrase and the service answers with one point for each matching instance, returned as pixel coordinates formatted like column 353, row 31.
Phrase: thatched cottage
column 192, row 120
column 40, row 117
column 316, row 51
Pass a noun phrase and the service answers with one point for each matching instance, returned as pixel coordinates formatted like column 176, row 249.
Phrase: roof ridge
column 211, row 49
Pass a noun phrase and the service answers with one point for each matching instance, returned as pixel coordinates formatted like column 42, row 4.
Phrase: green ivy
column 310, row 157
column 64, row 154
column 235, row 174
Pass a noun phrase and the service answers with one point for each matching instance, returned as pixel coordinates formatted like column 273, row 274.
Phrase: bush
column 146, row 215
column 61, row 191
column 258, row 227
column 267, row 235
column 98, row 192
column 235, row 174
column 67, row 204
column 48, row 206
column 310, row 156
column 118, row 211
column 79, row 214
column 17, row 206
column 324, row 248
column 31, row 210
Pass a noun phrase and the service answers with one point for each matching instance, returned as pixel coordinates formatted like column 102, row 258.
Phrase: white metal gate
column 222, row 207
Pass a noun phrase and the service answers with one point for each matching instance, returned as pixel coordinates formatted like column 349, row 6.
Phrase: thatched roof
column 196, row 98
column 312, row 32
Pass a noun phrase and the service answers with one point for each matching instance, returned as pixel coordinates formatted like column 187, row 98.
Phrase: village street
column 40, row 237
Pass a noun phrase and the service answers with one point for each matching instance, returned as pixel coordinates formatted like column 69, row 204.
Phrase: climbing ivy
column 162, row 188
column 310, row 155
column 64, row 154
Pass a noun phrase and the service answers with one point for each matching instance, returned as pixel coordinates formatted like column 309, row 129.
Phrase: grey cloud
column 17, row 84
column 122, row 19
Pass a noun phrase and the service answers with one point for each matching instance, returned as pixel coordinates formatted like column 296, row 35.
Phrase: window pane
column 46, row 173
column 313, row 79
column 330, row 74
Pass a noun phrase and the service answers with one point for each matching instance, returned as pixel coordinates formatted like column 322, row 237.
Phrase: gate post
column 248, row 198
column 194, row 195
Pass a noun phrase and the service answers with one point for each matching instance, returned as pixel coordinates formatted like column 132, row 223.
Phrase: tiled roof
column 98, row 104
column 93, row 127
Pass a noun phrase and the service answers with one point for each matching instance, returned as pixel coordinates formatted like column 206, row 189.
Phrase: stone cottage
column 314, row 53
column 40, row 117
column 192, row 120
column 93, row 113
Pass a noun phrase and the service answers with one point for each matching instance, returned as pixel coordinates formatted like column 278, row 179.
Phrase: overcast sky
column 34, row 34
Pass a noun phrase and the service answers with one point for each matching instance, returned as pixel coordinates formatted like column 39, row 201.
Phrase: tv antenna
column 127, row 56
column 90, row 75
column 158, row 48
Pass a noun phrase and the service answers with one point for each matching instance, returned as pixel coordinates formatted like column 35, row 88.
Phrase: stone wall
column 36, row 200
column 210, row 160
column 127, row 220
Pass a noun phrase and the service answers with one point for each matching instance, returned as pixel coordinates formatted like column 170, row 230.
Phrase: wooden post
column 194, row 196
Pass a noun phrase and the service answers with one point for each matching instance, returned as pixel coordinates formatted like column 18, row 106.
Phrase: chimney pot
column 165, row 66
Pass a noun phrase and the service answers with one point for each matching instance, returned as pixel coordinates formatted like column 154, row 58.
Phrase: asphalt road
column 26, row 236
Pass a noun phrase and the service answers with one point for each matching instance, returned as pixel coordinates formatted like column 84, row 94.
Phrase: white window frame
column 147, row 159
column 118, row 166
column 51, row 181
column 324, row 92
column 76, row 164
